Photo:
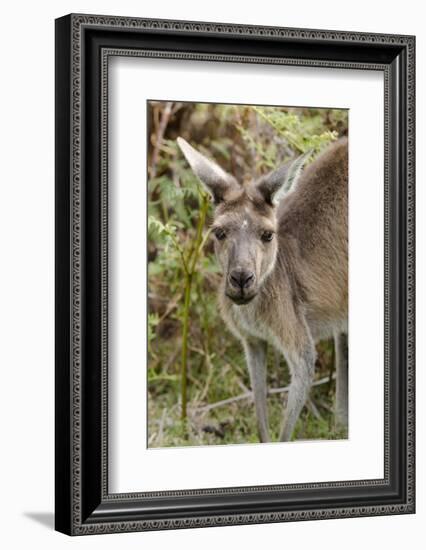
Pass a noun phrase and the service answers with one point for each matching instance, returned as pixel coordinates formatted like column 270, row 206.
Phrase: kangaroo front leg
column 256, row 361
column 341, row 346
column 301, row 364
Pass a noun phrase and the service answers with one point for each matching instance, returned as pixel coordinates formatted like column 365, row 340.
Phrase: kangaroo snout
column 240, row 278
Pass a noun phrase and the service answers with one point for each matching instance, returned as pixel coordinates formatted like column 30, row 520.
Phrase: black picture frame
column 83, row 46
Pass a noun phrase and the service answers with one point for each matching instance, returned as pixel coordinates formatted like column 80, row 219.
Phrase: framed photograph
column 234, row 274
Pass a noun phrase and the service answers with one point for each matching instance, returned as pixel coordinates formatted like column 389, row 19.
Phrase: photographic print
column 247, row 274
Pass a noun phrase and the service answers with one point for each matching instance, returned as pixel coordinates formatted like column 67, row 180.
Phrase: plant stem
column 199, row 241
column 185, row 327
column 189, row 273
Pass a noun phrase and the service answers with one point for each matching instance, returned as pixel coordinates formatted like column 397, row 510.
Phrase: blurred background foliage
column 198, row 384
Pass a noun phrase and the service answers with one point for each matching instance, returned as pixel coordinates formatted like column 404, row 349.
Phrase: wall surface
column 27, row 244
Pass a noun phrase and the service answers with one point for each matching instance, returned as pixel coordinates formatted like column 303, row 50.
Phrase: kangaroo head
column 245, row 221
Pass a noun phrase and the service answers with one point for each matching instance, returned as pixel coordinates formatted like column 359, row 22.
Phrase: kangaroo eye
column 267, row 236
column 219, row 234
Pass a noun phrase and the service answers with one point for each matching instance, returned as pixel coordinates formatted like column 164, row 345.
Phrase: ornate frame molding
column 76, row 510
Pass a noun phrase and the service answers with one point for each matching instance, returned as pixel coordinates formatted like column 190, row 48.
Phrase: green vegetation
column 194, row 363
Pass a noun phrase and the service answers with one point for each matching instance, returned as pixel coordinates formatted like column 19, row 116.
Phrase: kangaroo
column 282, row 244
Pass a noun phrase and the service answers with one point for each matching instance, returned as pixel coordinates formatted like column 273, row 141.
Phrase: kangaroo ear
column 218, row 183
column 276, row 184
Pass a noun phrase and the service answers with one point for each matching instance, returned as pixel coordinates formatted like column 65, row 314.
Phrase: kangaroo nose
column 241, row 279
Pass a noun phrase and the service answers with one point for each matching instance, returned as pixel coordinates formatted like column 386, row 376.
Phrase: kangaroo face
column 245, row 245
column 245, row 221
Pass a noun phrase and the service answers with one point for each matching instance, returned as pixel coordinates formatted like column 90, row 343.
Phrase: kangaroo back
column 314, row 219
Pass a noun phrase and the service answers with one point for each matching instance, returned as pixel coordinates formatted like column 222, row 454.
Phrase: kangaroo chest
column 249, row 322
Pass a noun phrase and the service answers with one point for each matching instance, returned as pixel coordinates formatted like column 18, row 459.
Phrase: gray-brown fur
column 289, row 289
